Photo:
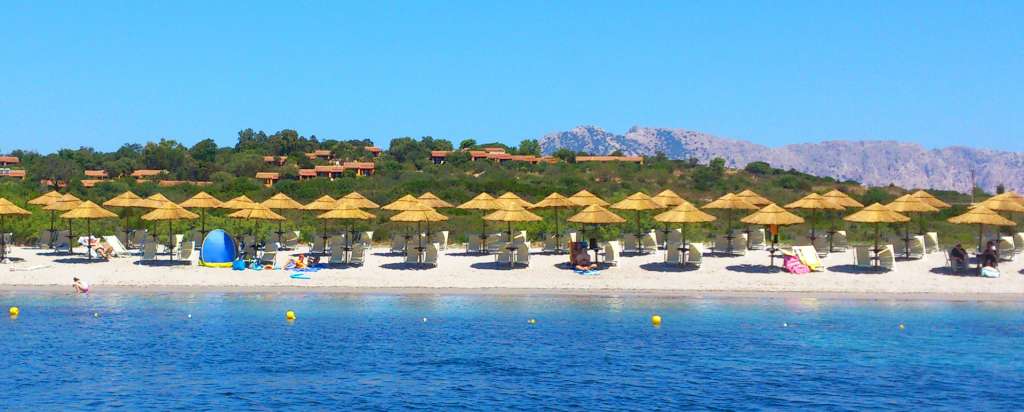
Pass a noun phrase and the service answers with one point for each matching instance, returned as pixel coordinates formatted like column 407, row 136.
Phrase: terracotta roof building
column 97, row 174
column 9, row 161
column 374, row 150
column 439, row 156
column 321, row 154
column 275, row 160
column 141, row 173
column 268, row 178
column 12, row 173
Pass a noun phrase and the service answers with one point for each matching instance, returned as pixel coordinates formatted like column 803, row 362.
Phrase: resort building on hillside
column 9, row 161
column 336, row 171
column 170, row 183
column 275, row 160
column 321, row 154
column 374, row 150
column 97, row 174
column 496, row 154
column 361, row 168
column 439, row 157
column 12, row 173
column 629, row 159
column 268, row 178
column 144, row 173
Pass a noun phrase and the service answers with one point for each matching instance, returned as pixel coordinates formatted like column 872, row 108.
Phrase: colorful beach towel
column 300, row 276
column 793, row 265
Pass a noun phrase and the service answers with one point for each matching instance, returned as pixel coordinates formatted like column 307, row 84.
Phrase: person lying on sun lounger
column 959, row 256
column 582, row 259
column 103, row 250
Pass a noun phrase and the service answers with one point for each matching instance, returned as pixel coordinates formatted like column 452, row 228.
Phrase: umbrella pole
column 831, row 230
column 127, row 226
column 53, row 240
column 771, row 253
column 906, row 240
column 483, row 232
column 981, row 234
column 71, row 245
column 877, row 260
column 639, row 243
column 170, row 239
column 419, row 241
column 324, row 237
column 728, row 231
column 558, row 234
column 279, row 231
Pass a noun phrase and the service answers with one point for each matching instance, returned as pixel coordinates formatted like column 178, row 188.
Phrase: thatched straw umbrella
column 668, row 198
column 876, row 214
column 637, row 202
column 585, row 198
column 238, row 203
column 346, row 209
column 555, row 201
column 482, row 202
column 816, row 203
column 358, row 200
column 684, row 214
column 322, row 204
column 512, row 198
column 841, row 199
column 981, row 216
column 8, row 209
column 88, row 211
column 433, row 201
column 170, row 212
column 595, row 215
column 44, row 200
column 1004, row 202
column 419, row 214
column 930, row 200
column 753, row 198
column 730, row 203
column 256, row 212
column 202, row 201
column 282, row 202
column 65, row 203
column 406, row 203
column 127, row 201
column 511, row 213
column 909, row 206
column 772, row 216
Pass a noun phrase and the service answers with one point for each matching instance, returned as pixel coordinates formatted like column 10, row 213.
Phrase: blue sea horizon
column 376, row 351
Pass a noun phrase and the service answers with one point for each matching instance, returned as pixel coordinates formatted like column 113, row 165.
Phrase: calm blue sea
column 376, row 352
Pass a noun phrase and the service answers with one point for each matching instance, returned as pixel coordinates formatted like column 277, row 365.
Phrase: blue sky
column 104, row 73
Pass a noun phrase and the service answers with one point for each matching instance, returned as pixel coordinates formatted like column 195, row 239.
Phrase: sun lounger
column 358, row 256
column 473, row 243
column 149, row 251
column 809, row 257
column 887, row 257
column 840, row 243
column 430, row 255
column 612, row 250
column 862, row 256
column 290, row 240
column 675, row 236
column 496, row 246
column 629, row 243
column 953, row 266
column 1018, row 243
column 337, row 252
column 756, row 239
column 318, row 245
column 185, row 251
column 397, row 242
column 138, row 238
column 1005, row 248
column 821, row 246
column 366, row 238
column 550, row 244
column 695, row 256
column 672, row 253
column 573, row 236
column 523, row 254
column 931, row 242
column 504, row 257
column 441, row 238
column 116, row 246
column 649, row 242
column 44, row 241
column 412, row 255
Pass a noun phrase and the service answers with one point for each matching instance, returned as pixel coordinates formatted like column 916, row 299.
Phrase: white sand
column 477, row 273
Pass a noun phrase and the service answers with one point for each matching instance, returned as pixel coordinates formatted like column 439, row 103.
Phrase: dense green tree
column 467, row 144
column 529, row 147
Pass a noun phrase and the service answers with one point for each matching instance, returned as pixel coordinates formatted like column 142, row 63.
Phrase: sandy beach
column 459, row 272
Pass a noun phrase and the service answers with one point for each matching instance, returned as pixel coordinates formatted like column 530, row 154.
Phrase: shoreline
column 421, row 291
column 457, row 273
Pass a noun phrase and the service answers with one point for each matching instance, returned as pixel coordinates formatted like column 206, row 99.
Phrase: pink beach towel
column 793, row 265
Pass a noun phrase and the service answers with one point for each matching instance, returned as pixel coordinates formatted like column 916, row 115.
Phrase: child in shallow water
column 80, row 286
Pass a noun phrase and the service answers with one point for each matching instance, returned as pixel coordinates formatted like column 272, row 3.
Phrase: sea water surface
column 194, row 351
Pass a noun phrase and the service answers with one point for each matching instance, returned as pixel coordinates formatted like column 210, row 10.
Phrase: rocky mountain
column 871, row 162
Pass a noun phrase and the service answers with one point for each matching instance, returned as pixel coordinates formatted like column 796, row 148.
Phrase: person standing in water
column 80, row 286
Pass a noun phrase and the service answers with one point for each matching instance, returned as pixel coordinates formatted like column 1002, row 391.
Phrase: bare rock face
column 875, row 163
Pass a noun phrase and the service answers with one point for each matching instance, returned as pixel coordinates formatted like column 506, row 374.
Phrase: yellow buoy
column 424, row 320
column 289, row 315
column 532, row 321
column 656, row 320
column 13, row 311
column 902, row 327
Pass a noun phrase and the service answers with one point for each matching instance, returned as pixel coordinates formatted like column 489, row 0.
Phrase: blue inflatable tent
column 219, row 250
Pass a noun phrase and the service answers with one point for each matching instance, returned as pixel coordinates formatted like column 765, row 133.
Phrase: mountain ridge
column 872, row 162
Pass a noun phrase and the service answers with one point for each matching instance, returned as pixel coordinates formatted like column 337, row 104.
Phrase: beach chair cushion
column 809, row 256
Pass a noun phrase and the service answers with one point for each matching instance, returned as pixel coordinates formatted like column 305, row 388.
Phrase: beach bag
column 793, row 265
column 989, row 272
column 238, row 265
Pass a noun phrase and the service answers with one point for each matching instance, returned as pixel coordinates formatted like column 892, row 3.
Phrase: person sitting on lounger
column 990, row 256
column 104, row 250
column 958, row 256
column 582, row 259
